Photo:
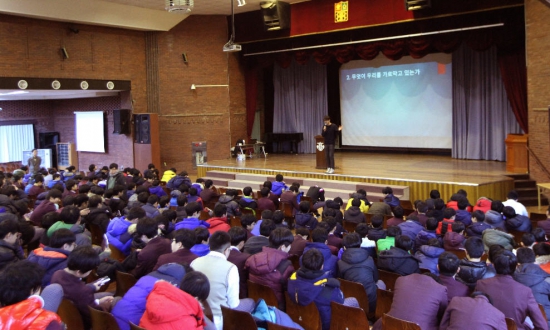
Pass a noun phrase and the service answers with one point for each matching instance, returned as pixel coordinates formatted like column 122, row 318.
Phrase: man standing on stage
column 34, row 162
column 329, row 133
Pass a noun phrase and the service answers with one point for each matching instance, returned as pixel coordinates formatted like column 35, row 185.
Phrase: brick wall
column 212, row 114
column 31, row 48
column 538, row 72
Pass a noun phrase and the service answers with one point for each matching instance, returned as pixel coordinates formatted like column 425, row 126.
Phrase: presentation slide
column 400, row 104
column 89, row 131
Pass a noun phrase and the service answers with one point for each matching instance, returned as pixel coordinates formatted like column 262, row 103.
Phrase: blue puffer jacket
column 464, row 216
column 423, row 237
column 305, row 220
column 117, row 234
column 429, row 256
column 278, row 187
column 200, row 249
column 519, row 223
column 411, row 228
column 306, row 286
column 157, row 190
column 191, row 223
column 132, row 306
column 51, row 259
column 329, row 266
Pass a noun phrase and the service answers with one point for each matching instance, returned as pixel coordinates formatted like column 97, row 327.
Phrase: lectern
column 517, row 158
column 320, row 152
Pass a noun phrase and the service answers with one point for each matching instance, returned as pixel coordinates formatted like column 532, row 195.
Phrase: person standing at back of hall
column 330, row 131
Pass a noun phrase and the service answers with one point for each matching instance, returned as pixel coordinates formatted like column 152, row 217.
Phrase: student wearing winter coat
column 182, row 242
column 193, row 210
column 311, row 284
column 168, row 174
column 229, row 200
column 319, row 238
column 472, row 268
column 279, row 185
column 219, row 221
column 356, row 265
column 411, row 227
column 454, row 240
column 497, row 237
column 354, row 213
column 448, row 265
column 132, row 306
column 476, row 312
column 478, row 225
column 304, row 218
column 426, row 234
column 495, row 220
column 428, row 255
column 516, row 221
column 117, row 230
column 397, row 259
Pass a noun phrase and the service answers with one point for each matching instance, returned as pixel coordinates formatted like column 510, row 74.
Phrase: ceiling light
column 241, row 3
column 179, row 6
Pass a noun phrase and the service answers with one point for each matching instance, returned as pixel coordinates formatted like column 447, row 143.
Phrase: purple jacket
column 472, row 313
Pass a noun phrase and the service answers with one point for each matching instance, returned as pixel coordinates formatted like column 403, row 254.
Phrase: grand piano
column 280, row 138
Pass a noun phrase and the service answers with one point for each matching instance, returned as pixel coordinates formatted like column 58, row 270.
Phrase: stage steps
column 333, row 188
column 527, row 190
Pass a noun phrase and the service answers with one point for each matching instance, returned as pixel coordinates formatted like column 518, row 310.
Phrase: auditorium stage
column 421, row 173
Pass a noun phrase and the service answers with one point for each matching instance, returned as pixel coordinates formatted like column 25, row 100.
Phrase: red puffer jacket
column 27, row 315
column 271, row 267
column 169, row 308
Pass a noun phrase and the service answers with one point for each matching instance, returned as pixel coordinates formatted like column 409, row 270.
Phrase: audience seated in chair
column 472, row 268
column 428, row 255
column 454, row 240
column 476, row 312
column 156, row 245
column 319, row 237
column 448, row 266
column 255, row 244
column 182, row 242
column 201, row 247
column 229, row 199
column 219, row 221
column 397, row 259
column 10, row 250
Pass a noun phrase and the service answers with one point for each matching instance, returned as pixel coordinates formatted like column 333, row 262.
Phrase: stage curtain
column 251, row 89
column 300, row 101
column 482, row 115
column 514, row 76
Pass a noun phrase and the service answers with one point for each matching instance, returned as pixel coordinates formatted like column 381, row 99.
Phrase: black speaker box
column 48, row 139
column 142, row 126
column 276, row 15
column 121, row 121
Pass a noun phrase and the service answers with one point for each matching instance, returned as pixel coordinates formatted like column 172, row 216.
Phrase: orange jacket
column 27, row 315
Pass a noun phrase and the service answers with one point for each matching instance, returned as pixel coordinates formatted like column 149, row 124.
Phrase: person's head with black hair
column 84, row 189
column 208, row 183
column 331, row 224
column 494, row 250
column 202, row 235
column 377, row 220
column 169, row 215
column 38, row 180
column 49, row 219
column 434, row 242
column 462, row 203
column 505, row 263
column 19, row 281
column 181, row 200
column 338, row 201
column 193, row 191
column 431, row 223
column 541, row 249
column 143, row 197
column 303, row 232
column 81, row 201
column 525, row 255
column 281, row 238
column 153, row 200
column 449, row 213
column 439, row 204
column 509, row 212
column 69, row 200
column 147, row 229
column 265, row 191
column 527, row 240
column 9, row 231
column 108, row 193
column 352, row 240
column 540, row 235
column 329, row 212
column 313, row 260
column 183, row 239
column 135, row 213
column 11, row 192
column 478, row 216
column 238, row 237
column 92, row 168
column 404, row 242
column 305, row 207
column 278, row 217
column 497, row 206
column 247, row 191
column 70, row 215
column 220, row 210
column 196, row 284
column 220, row 241
column 105, row 169
column 458, row 227
column 513, row 195
column 398, row 212
column 279, row 178
column 82, row 260
column 448, row 264
column 94, row 201
column 248, row 221
column 387, row 191
column 193, row 209
column 268, row 184
column 54, row 196
column 474, row 248
column 151, row 166
column 267, row 227
column 356, row 202
column 63, row 239
column 362, row 230
column 118, row 190
column 319, row 235
column 71, row 185
column 229, row 192
column 434, row 194
column 393, row 231
column 59, row 186
column 164, row 201
column 267, row 214
column 294, row 189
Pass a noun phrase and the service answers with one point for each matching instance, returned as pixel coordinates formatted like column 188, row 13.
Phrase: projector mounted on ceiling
column 179, row 6
column 231, row 47
column 417, row 4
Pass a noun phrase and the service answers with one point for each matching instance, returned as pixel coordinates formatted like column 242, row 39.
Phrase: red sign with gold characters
column 341, row 12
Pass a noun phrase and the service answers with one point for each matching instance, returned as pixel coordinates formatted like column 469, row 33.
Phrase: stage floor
column 426, row 168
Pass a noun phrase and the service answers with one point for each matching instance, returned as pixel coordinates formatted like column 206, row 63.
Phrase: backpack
column 316, row 193
column 444, row 227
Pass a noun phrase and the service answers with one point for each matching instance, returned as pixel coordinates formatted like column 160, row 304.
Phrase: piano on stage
column 280, row 138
